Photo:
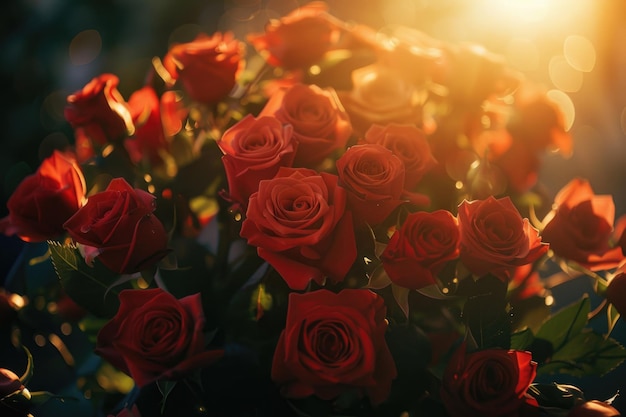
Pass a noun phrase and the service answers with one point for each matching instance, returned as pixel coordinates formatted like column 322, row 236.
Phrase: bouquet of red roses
column 317, row 220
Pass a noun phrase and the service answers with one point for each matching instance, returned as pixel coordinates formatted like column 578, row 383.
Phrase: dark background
column 39, row 67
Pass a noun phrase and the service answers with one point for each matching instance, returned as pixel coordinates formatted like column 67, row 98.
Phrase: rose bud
column 616, row 292
column 99, row 114
column 299, row 39
column 207, row 67
column 44, row 200
column 594, row 408
column 580, row 227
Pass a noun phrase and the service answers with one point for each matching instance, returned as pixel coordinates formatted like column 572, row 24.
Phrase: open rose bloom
column 296, row 214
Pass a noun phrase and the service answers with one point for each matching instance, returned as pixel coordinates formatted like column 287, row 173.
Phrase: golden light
column 17, row 301
column 399, row 11
column 315, row 70
column 52, row 307
column 523, row 54
column 40, row 340
column 66, row 329
column 526, row 10
column 579, row 53
column 108, row 149
column 563, row 75
column 545, row 23
column 566, row 105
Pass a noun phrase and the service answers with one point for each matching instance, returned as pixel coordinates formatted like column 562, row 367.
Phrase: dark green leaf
column 485, row 313
column 522, row 339
column 587, row 353
column 165, row 387
column 565, row 324
column 612, row 316
column 91, row 287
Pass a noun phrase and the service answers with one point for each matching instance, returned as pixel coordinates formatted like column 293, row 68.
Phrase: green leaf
column 401, row 295
column 612, row 316
column 587, row 353
column 41, row 397
column 165, row 387
column 565, row 324
column 91, row 287
column 522, row 340
column 485, row 313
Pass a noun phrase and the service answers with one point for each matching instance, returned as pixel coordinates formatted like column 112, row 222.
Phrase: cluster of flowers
column 353, row 186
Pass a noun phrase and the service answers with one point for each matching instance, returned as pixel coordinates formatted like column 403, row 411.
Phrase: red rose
column 254, row 149
column 487, row 383
column 155, row 336
column 98, row 112
column 14, row 397
column 44, row 200
column 156, row 121
column 594, row 408
column 207, row 67
column 412, row 53
column 538, row 122
column 9, row 382
column 119, row 223
column 526, row 283
column 320, row 125
column 472, row 74
column 520, row 165
column 380, row 96
column 333, row 343
column 298, row 39
column 299, row 223
column 619, row 233
column 374, row 178
column 580, row 227
column 420, row 248
column 516, row 142
column 409, row 144
column 495, row 239
column 616, row 291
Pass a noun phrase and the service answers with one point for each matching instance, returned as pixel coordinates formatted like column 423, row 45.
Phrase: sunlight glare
column 579, row 53
column 526, row 10
column 563, row 75
column 523, row 54
column 566, row 105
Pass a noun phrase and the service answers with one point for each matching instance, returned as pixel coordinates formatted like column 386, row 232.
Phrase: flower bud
column 594, row 408
column 616, row 292
column 9, row 382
